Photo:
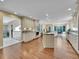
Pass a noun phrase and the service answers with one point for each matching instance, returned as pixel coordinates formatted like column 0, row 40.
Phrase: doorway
column 11, row 31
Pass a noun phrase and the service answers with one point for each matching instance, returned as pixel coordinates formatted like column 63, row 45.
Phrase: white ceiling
column 56, row 9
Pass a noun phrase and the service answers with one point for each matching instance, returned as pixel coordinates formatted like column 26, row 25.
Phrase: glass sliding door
column 5, row 31
column 59, row 29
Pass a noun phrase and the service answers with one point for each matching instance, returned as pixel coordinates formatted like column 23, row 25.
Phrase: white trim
column 11, row 44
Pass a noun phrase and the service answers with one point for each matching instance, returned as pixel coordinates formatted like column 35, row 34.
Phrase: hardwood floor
column 35, row 50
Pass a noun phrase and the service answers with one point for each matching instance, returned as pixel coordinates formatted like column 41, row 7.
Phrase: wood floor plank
column 35, row 50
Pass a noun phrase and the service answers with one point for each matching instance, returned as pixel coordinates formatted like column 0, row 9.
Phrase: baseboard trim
column 9, row 45
column 30, row 40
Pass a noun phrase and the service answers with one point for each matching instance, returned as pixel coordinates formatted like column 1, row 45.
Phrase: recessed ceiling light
column 47, row 15
column 69, row 9
column 2, row 0
column 15, row 13
column 30, row 16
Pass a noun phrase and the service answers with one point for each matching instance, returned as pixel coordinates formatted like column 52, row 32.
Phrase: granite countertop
column 74, row 33
column 27, row 31
column 48, row 33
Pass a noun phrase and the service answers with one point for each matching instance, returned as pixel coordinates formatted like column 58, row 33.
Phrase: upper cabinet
column 28, row 24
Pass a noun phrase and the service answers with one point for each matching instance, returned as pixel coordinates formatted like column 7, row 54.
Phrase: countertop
column 51, row 33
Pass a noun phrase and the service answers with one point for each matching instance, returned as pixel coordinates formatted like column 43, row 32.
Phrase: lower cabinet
column 73, row 39
column 48, row 40
column 28, row 36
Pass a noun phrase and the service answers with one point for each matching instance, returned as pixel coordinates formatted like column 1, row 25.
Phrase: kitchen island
column 48, row 40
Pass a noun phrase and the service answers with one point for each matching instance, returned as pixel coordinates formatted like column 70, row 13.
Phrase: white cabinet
column 73, row 38
column 28, row 36
column 48, row 40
